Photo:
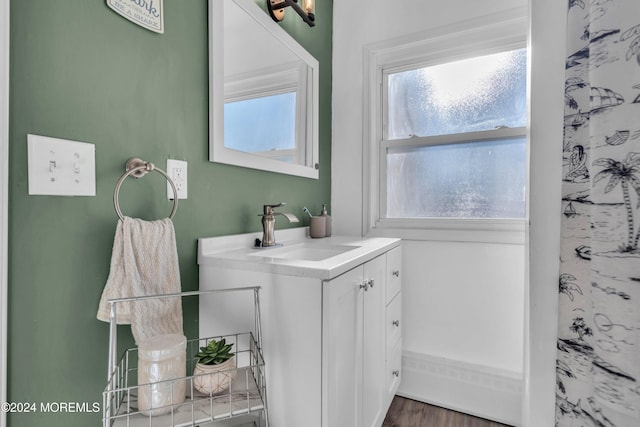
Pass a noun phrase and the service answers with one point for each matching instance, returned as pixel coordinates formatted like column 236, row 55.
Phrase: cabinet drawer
column 393, row 372
column 394, row 275
column 393, row 321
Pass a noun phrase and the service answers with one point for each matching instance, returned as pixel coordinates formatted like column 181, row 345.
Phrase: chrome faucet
column 268, row 223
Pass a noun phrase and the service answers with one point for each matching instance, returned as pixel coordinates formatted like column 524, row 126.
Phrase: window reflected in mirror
column 265, row 125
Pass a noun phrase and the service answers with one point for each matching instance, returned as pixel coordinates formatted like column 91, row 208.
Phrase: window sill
column 510, row 231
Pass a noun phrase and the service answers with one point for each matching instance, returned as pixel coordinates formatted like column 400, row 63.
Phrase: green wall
column 81, row 72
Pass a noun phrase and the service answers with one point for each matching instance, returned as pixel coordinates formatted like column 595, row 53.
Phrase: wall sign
column 146, row 13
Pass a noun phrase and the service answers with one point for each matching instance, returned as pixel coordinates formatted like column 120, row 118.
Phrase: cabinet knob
column 396, row 373
column 396, row 323
column 368, row 283
column 396, row 273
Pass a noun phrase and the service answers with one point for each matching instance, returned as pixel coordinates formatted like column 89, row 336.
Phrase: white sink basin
column 304, row 251
column 298, row 256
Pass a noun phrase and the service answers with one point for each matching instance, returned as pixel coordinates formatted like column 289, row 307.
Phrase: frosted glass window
column 264, row 125
column 477, row 94
column 483, row 179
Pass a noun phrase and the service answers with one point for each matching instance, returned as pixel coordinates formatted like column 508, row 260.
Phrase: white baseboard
column 482, row 391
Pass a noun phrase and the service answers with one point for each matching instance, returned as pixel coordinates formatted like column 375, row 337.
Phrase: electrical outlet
column 177, row 171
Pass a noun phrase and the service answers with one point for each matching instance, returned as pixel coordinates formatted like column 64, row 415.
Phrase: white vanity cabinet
column 329, row 342
column 353, row 346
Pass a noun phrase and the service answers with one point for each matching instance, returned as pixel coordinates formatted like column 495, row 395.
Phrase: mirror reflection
column 269, row 108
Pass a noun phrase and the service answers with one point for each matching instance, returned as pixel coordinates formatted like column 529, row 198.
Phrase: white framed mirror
column 263, row 93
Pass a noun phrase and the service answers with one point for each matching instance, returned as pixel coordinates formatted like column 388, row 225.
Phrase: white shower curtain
column 598, row 356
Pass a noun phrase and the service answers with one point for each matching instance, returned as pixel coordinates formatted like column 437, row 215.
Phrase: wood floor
column 409, row 413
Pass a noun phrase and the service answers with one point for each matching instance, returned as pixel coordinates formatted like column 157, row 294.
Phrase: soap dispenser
column 327, row 220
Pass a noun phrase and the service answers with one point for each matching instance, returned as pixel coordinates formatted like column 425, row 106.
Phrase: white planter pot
column 214, row 379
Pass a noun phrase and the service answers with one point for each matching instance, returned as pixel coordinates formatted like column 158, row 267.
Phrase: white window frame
column 478, row 37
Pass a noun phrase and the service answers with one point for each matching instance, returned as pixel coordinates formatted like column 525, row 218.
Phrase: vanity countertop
column 296, row 255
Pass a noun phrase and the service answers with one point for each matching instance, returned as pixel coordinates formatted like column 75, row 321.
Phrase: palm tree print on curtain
column 598, row 351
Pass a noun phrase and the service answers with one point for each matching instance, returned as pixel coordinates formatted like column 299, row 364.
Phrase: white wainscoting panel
column 482, row 391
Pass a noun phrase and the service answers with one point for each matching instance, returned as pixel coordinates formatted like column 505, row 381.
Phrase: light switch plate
column 59, row 167
column 177, row 171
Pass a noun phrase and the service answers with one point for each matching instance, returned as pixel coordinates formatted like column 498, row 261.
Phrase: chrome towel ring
column 138, row 168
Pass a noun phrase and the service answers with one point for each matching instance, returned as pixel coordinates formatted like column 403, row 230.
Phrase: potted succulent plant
column 215, row 367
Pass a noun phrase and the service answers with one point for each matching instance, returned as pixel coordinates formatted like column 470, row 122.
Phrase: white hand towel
column 144, row 261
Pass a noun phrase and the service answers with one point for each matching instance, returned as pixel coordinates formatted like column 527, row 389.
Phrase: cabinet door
column 342, row 350
column 394, row 348
column 373, row 356
column 394, row 281
column 393, row 373
column 392, row 324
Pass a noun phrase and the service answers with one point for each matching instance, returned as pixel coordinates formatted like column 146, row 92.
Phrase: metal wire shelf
column 245, row 400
